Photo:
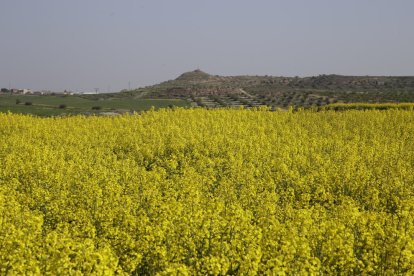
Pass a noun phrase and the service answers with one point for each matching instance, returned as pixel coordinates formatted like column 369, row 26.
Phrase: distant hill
column 203, row 89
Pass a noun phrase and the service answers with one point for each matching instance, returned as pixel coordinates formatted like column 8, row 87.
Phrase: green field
column 62, row 104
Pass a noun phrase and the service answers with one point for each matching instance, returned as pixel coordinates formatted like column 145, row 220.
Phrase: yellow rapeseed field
column 176, row 192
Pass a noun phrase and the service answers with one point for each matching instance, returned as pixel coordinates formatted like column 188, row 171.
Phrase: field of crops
column 208, row 192
column 368, row 106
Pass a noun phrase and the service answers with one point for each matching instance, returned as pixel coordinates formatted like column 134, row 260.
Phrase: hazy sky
column 86, row 44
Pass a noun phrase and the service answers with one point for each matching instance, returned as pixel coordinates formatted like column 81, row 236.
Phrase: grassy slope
column 49, row 105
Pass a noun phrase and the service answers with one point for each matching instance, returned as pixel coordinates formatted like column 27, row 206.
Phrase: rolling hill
column 203, row 89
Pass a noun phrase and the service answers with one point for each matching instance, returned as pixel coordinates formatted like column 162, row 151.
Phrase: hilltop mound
column 194, row 76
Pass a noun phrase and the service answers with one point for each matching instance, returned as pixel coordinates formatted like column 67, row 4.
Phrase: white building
column 21, row 91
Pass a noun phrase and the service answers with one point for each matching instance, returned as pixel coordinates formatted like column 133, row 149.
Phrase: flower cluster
column 194, row 191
